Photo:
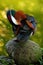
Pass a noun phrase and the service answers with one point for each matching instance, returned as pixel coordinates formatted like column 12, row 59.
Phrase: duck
column 23, row 25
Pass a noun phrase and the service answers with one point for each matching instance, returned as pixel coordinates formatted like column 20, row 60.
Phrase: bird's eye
column 30, row 21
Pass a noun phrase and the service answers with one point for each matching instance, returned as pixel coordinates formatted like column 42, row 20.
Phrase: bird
column 22, row 24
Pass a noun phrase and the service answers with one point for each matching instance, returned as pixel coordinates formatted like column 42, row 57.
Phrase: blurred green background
column 32, row 7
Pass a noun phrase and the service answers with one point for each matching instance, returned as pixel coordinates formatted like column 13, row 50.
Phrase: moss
column 6, row 61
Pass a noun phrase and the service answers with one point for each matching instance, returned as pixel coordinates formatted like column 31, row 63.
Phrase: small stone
column 24, row 52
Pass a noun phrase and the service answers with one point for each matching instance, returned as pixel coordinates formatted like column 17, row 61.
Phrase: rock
column 6, row 61
column 23, row 52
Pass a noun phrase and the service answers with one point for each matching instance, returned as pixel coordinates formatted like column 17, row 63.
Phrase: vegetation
column 31, row 7
column 6, row 61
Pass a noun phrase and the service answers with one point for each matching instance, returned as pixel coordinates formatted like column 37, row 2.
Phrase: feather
column 13, row 19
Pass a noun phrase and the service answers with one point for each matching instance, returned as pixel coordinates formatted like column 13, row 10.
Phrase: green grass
column 32, row 7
